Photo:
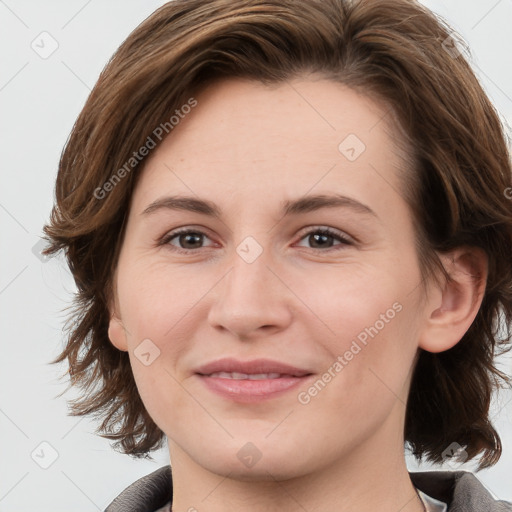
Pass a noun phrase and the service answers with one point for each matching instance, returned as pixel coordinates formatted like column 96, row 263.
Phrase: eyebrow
column 304, row 204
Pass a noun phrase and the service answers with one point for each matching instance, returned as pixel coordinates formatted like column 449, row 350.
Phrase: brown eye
column 184, row 240
column 190, row 240
column 324, row 238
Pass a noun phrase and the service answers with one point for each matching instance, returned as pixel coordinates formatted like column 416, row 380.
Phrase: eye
column 187, row 239
column 322, row 238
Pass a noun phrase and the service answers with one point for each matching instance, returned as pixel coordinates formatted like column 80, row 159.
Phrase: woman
column 289, row 227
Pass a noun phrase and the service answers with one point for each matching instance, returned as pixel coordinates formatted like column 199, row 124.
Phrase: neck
column 372, row 476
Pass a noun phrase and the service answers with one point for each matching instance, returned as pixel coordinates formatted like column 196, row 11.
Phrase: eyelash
column 323, row 231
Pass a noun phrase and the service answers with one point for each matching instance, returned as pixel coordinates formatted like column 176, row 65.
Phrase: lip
column 253, row 366
column 250, row 391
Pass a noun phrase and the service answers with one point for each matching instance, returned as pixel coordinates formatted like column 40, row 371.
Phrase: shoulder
column 148, row 494
column 461, row 490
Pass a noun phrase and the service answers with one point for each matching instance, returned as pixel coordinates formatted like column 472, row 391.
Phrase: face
column 267, row 288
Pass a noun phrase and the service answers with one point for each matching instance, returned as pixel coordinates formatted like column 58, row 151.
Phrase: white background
column 40, row 100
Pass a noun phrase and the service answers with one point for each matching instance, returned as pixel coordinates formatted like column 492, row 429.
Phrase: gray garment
column 431, row 504
column 461, row 490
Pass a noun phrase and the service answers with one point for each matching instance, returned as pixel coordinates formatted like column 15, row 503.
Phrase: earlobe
column 117, row 333
column 452, row 310
column 116, row 330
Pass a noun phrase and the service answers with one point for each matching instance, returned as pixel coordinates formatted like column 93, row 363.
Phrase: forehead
column 249, row 138
column 309, row 113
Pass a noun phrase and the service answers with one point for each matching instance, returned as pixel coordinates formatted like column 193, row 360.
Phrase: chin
column 261, row 472
column 246, row 463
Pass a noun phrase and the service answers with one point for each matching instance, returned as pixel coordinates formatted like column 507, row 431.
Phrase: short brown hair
column 394, row 50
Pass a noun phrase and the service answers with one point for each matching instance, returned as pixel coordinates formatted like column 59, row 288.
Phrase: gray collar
column 461, row 491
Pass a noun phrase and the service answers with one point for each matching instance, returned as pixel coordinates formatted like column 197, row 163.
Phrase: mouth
column 249, row 376
column 251, row 381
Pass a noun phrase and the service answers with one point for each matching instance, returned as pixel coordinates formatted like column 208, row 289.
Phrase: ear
column 452, row 308
column 116, row 330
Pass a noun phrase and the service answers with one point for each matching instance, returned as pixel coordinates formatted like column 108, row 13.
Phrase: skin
column 248, row 147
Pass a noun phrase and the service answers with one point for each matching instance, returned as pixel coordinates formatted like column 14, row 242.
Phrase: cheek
column 371, row 338
column 352, row 303
column 367, row 374
column 160, row 308
column 335, row 305
column 355, row 312
column 155, row 298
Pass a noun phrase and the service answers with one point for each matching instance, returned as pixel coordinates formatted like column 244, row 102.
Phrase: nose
column 251, row 300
